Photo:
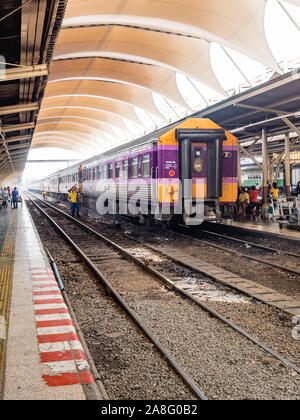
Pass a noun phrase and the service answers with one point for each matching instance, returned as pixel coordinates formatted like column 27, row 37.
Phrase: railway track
column 95, row 257
column 259, row 246
column 280, row 243
column 282, row 293
column 243, row 249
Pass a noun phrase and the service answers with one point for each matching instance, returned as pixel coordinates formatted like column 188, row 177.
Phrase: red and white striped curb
column 62, row 356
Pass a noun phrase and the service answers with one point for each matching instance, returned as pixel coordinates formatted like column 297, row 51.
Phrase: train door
column 201, row 158
column 154, row 174
column 80, row 179
column 199, row 170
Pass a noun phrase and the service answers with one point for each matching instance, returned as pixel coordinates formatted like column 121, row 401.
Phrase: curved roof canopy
column 115, row 58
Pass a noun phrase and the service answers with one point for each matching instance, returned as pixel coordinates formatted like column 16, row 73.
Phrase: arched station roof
column 113, row 56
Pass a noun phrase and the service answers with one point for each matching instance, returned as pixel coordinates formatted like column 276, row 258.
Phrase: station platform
column 41, row 357
column 260, row 225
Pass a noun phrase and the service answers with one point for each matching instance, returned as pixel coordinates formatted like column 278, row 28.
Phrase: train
column 186, row 172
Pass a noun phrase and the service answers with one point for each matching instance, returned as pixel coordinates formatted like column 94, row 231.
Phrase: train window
column 118, row 165
column 134, row 167
column 198, row 160
column 146, row 166
column 125, row 169
column 98, row 173
column 105, row 172
column 94, row 174
column 110, row 171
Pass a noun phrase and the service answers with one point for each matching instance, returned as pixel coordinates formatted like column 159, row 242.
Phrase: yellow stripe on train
column 169, row 192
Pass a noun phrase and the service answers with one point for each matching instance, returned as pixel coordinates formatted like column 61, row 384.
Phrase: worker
column 74, row 197
column 4, row 204
column 244, row 201
column 44, row 195
column 253, row 194
column 275, row 192
column 15, row 197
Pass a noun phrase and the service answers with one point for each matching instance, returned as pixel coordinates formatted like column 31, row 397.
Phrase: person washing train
column 74, row 199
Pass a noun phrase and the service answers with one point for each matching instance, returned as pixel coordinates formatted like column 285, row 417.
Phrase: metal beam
column 16, row 146
column 250, row 156
column 17, row 127
column 3, row 168
column 16, row 109
column 259, row 108
column 283, row 115
column 279, row 117
column 287, row 165
column 248, row 114
column 24, row 72
column 265, row 157
column 15, row 139
column 250, row 94
column 18, row 152
column 291, row 125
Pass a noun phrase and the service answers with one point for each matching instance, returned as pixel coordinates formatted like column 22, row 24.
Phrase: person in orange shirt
column 254, row 193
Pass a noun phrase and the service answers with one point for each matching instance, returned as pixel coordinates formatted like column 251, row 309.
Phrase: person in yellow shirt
column 275, row 192
column 244, row 200
column 73, row 198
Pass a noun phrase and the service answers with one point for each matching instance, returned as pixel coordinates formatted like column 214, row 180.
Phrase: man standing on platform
column 15, row 196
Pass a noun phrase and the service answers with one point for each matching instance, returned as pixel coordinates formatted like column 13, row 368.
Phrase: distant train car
column 296, row 174
column 193, row 161
column 252, row 175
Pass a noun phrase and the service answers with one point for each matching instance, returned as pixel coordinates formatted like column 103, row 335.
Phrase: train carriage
column 194, row 161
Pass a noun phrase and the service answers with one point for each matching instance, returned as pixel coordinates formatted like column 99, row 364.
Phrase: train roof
column 148, row 138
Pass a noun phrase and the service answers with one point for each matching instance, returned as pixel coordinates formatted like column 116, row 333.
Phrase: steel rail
column 100, row 392
column 252, row 232
column 152, row 271
column 135, row 317
column 253, row 244
column 239, row 254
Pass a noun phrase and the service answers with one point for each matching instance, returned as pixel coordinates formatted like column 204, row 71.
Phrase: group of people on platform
column 248, row 198
column 9, row 197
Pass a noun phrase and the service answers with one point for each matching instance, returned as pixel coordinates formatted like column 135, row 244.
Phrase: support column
column 265, row 158
column 239, row 168
column 271, row 169
column 287, row 165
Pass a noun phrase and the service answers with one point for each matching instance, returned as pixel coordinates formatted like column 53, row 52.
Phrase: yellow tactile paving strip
column 6, row 275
